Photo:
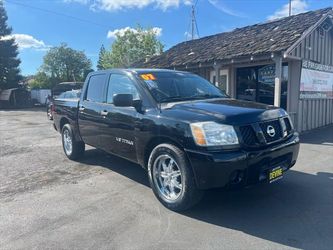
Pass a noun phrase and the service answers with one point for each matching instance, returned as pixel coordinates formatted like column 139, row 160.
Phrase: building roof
column 270, row 37
column 5, row 94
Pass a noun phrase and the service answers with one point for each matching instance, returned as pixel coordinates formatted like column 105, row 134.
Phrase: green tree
column 9, row 63
column 41, row 80
column 106, row 60
column 66, row 64
column 101, row 57
column 132, row 46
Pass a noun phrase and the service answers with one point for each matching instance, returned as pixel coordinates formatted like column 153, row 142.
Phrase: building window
column 258, row 83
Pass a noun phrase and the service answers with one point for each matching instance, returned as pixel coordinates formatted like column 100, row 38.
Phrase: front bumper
column 241, row 168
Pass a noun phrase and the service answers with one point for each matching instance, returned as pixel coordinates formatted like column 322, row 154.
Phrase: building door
column 223, row 80
column 212, row 77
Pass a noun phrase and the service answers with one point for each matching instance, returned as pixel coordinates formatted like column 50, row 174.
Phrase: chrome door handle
column 104, row 113
column 81, row 108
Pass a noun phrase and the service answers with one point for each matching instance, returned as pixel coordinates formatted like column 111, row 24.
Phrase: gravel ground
column 104, row 202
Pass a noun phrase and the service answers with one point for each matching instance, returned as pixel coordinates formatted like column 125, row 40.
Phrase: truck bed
column 65, row 108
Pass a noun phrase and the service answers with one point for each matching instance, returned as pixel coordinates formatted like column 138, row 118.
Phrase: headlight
column 213, row 134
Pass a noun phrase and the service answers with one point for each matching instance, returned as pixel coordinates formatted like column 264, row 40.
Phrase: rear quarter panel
column 66, row 111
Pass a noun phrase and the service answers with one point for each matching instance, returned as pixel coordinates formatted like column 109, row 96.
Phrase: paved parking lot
column 48, row 201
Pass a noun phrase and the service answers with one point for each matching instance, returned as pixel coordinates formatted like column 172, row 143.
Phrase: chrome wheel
column 68, row 144
column 167, row 177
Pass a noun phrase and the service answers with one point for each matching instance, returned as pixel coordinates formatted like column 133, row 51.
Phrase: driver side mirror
column 123, row 100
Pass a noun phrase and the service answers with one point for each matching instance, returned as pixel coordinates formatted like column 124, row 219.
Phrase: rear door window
column 95, row 90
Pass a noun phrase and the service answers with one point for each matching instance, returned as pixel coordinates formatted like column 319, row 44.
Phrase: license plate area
column 275, row 174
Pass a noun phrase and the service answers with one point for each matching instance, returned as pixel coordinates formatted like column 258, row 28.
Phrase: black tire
column 77, row 148
column 190, row 194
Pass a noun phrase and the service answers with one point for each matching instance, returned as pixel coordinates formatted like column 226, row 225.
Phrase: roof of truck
column 139, row 70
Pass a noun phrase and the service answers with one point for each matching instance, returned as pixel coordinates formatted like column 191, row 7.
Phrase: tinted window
column 95, row 88
column 121, row 84
column 178, row 86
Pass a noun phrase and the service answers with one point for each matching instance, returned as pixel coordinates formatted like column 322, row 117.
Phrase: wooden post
column 14, row 97
column 232, row 82
column 217, row 74
column 278, row 79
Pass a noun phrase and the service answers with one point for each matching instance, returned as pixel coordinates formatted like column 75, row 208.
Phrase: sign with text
column 266, row 74
column 316, row 81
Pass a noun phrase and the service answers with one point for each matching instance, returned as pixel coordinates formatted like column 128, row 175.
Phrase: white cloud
column 218, row 4
column 297, row 6
column 157, row 31
column 113, row 33
column 188, row 2
column 25, row 41
column 115, row 5
column 188, row 36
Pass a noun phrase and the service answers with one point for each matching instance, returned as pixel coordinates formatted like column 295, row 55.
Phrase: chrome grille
column 260, row 133
column 248, row 135
column 276, row 125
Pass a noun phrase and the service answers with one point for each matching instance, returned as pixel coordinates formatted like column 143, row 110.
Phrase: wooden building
column 287, row 62
column 15, row 98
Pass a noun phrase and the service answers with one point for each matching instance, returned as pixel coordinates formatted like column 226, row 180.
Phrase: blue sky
column 36, row 27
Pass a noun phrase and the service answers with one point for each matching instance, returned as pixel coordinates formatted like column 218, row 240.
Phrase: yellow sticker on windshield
column 148, row 77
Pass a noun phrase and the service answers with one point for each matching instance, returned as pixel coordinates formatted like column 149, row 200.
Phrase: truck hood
column 229, row 111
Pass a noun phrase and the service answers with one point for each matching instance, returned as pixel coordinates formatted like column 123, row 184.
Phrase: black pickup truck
column 188, row 134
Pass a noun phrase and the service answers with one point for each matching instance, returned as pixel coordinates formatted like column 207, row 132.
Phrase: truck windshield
column 178, row 86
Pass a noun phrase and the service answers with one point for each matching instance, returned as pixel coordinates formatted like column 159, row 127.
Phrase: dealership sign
column 266, row 74
column 316, row 81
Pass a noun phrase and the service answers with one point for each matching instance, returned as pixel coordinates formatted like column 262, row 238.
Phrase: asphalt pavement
column 104, row 202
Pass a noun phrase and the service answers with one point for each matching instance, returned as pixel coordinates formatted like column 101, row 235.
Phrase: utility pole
column 290, row 7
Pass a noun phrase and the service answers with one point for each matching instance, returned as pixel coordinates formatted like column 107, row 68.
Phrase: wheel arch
column 63, row 121
column 155, row 141
column 192, row 194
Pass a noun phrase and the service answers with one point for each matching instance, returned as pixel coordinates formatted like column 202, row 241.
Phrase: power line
column 56, row 13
